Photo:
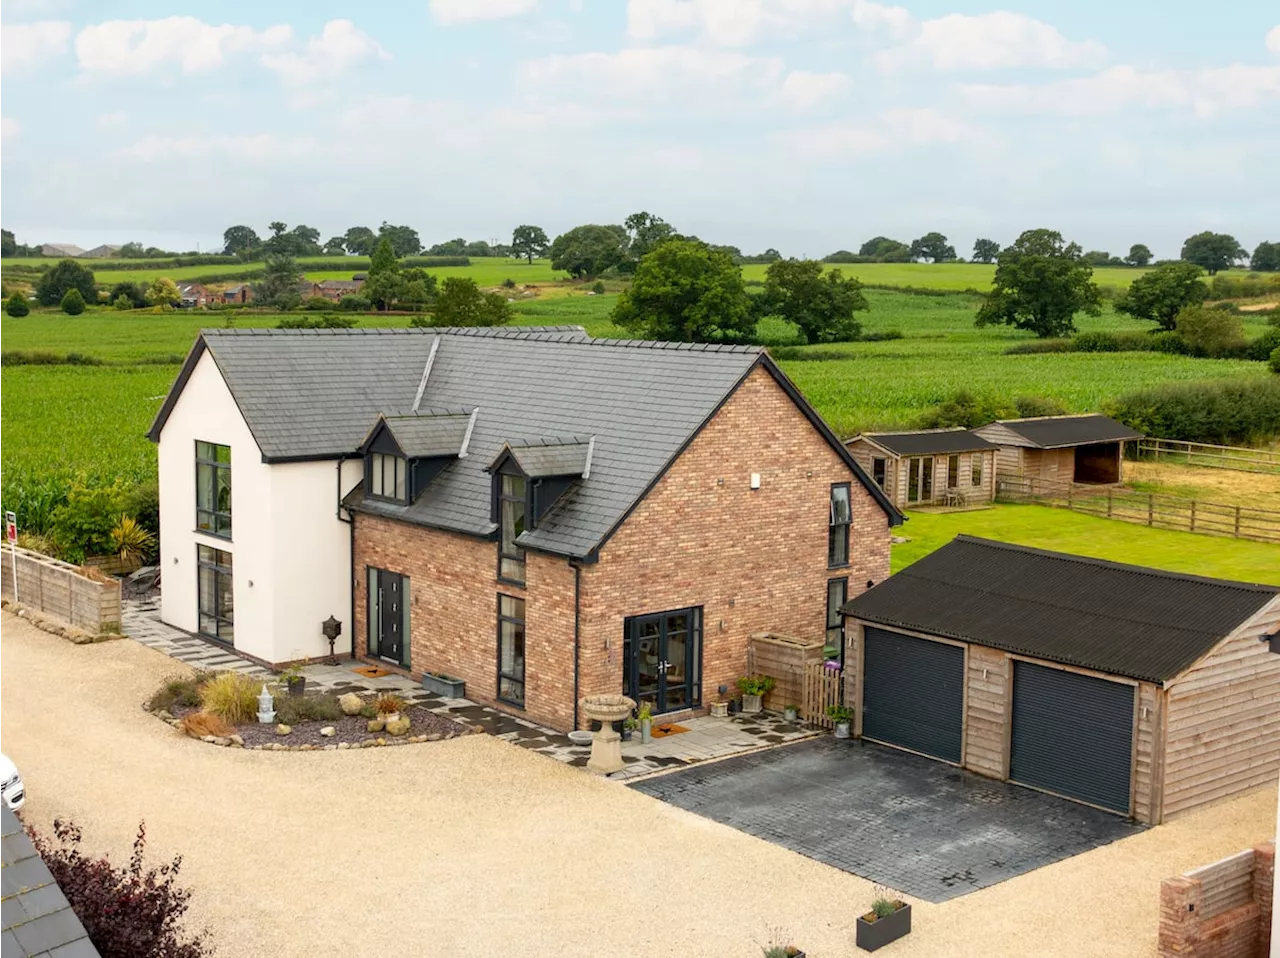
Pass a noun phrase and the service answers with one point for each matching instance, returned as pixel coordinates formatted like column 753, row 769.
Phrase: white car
column 11, row 784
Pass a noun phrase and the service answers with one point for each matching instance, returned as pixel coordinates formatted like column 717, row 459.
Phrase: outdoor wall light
column 331, row 628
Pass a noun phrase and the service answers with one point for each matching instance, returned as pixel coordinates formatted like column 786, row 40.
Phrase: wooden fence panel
column 821, row 689
column 1208, row 455
column 1225, row 884
column 61, row 590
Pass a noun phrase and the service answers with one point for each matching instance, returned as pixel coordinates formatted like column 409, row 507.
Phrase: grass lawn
column 1045, row 527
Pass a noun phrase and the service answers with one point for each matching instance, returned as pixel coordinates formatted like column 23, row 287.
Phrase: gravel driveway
column 476, row 847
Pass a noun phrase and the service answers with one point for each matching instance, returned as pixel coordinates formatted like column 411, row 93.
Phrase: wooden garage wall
column 1050, row 465
column 1223, row 726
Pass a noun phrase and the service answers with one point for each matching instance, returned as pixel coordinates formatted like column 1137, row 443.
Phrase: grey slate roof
column 1055, row 432
column 38, row 920
column 551, row 457
column 426, row 434
column 1121, row 619
column 929, row 442
column 313, row 394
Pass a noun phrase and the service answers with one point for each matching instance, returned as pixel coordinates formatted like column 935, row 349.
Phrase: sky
column 803, row 125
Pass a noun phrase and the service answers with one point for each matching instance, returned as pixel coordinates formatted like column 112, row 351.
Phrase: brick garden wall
column 1222, row 910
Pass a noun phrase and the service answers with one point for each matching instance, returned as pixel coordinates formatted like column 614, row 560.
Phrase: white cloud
column 24, row 45
column 651, row 74
column 1204, row 92
column 9, row 127
column 255, row 149
column 1273, row 39
column 991, row 41
column 802, row 91
column 890, row 130
column 340, row 46
column 730, row 22
column 117, row 120
column 136, row 47
column 897, row 22
column 452, row 12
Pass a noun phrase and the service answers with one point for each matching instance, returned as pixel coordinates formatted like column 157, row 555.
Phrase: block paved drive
column 922, row 827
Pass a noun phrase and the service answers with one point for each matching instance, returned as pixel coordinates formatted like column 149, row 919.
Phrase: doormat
column 662, row 731
column 371, row 671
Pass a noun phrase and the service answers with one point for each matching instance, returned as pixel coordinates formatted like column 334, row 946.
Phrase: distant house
column 335, row 289
column 237, row 294
column 951, row 466
column 101, row 252
column 1059, row 449
column 61, row 249
column 307, row 289
column 194, row 296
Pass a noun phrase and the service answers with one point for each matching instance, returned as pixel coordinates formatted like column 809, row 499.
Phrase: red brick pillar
column 1264, row 876
column 1179, row 917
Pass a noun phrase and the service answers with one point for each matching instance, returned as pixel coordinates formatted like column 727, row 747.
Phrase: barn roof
column 1056, row 432
column 1125, row 620
column 928, row 442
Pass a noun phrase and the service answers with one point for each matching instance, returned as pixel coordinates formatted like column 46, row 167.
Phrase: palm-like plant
column 132, row 540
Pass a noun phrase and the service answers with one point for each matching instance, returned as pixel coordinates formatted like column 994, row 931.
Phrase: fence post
column 1109, row 493
column 1151, row 507
column 1236, row 533
column 1193, row 515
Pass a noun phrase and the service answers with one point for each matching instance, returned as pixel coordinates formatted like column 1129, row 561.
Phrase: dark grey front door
column 1072, row 735
column 662, row 659
column 388, row 605
column 913, row 693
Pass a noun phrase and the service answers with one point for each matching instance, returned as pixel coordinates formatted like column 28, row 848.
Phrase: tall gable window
column 386, row 476
column 213, row 489
column 838, row 528
column 511, row 521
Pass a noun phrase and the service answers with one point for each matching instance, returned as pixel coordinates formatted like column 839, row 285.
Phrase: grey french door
column 662, row 659
column 389, row 616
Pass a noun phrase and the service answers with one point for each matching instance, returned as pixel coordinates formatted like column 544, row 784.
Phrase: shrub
column 82, row 525
column 1209, row 332
column 964, row 408
column 355, row 304
column 17, row 305
column 39, row 357
column 1040, row 346
column 1168, row 341
column 1095, row 343
column 122, row 302
column 461, row 303
column 231, row 696
column 880, row 336
column 1262, row 347
column 389, row 703
column 1229, row 412
column 508, row 283
column 183, row 690
column 132, row 541
column 67, row 275
column 756, row 684
column 597, row 287
column 292, row 709
column 1274, row 362
column 73, row 303
column 128, row 911
column 201, row 724
column 329, row 321
column 1029, row 406
column 317, row 303
column 1229, row 286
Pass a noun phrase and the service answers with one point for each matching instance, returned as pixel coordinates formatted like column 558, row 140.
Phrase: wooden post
column 1193, row 515
column 1109, row 493
column 1151, row 507
column 1236, row 533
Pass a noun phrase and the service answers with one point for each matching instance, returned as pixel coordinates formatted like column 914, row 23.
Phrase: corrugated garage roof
column 1056, row 432
column 1122, row 619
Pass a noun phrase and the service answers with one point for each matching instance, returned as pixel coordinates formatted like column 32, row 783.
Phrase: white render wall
column 290, row 553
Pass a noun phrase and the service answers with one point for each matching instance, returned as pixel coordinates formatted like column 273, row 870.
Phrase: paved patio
column 705, row 738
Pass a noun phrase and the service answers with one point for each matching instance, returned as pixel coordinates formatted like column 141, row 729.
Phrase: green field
column 949, row 276
column 1047, row 528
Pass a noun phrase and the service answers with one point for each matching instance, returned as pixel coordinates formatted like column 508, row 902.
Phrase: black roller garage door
column 913, row 693
column 1072, row 734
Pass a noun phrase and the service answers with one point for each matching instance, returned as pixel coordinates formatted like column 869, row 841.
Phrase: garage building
column 1135, row 690
column 1060, row 449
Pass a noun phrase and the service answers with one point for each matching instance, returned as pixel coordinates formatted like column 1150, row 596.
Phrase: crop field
column 948, row 276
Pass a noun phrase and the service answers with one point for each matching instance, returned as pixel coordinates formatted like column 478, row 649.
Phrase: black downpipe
column 577, row 594
column 351, row 523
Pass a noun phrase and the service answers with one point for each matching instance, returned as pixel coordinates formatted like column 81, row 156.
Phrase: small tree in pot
column 644, row 717
column 842, row 716
column 754, row 688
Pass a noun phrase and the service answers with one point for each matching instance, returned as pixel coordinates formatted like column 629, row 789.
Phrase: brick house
column 538, row 513
column 193, row 296
column 239, row 295
column 335, row 289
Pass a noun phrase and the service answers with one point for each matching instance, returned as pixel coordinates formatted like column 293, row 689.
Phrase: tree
column 453, row 247
column 279, row 285
column 887, row 250
column 17, row 305
column 822, row 306
column 359, row 240
column 1212, row 251
column 163, row 292
column 1266, row 257
column 304, row 241
column 685, row 291
column 1041, row 282
column 133, row 292
column 404, row 239
column 1162, row 293
column 66, row 275
column 644, row 231
column 384, row 284
column 933, row 247
column 134, row 250
column 1139, row 255
column 333, row 246
column 8, row 245
column 1097, row 257
column 985, row 250
column 461, row 303
column 1209, row 332
column 237, row 239
column 73, row 303
column 585, row 252
column 384, row 259
column 531, row 242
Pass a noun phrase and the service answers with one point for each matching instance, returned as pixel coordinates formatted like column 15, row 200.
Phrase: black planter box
column 444, row 686
column 876, row 934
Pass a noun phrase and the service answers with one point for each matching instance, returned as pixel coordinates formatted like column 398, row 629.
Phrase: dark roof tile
column 927, row 442
column 1055, row 432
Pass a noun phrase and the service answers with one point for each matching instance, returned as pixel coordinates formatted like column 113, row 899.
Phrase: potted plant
column 294, row 681
column 628, row 727
column 644, row 717
column 842, row 716
column 754, row 688
column 888, row 920
column 791, row 713
column 779, row 946
column 389, row 706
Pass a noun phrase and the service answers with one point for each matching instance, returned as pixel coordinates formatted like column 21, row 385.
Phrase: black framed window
column 878, row 471
column 976, row 469
column 953, row 471
column 511, row 519
column 838, row 529
column 386, row 476
column 837, row 593
column 213, row 489
column 216, row 595
column 511, row 650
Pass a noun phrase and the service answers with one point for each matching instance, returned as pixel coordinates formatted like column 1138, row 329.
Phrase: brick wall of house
column 1211, row 913
column 754, row 560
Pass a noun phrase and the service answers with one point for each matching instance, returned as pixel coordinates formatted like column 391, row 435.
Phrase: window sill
column 517, row 584
column 514, row 705
column 839, row 565
column 212, row 535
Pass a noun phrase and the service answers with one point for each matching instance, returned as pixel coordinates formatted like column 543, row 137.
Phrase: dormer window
column 386, row 476
column 511, row 519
